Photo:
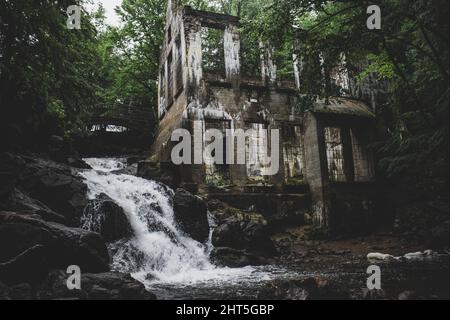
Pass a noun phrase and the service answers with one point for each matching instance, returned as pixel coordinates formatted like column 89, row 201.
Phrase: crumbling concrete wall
column 243, row 109
column 194, row 99
column 349, row 199
column 316, row 170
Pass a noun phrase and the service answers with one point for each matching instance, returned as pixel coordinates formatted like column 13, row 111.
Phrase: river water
column 167, row 261
column 174, row 266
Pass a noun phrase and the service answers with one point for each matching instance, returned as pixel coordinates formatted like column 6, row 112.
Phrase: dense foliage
column 409, row 57
column 410, row 53
column 130, row 54
column 49, row 74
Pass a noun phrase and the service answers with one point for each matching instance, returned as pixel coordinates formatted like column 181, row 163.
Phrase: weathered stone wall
column 316, row 170
column 249, row 105
column 193, row 99
column 280, row 210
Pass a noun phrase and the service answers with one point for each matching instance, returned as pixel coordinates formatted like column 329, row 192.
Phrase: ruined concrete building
column 326, row 169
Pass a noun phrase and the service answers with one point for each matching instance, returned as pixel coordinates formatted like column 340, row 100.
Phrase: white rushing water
column 159, row 252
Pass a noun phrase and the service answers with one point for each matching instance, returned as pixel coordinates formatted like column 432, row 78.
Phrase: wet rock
column 406, row 295
column 222, row 212
column 115, row 225
column 288, row 214
column 153, row 170
column 21, row 291
column 108, row 219
column 101, row 286
column 7, row 185
column 191, row 214
column 55, row 184
column 58, row 147
column 283, row 290
column 4, row 292
column 233, row 258
column 240, row 230
column 303, row 289
column 148, row 169
column 374, row 294
column 18, row 201
column 78, row 163
column 190, row 187
column 247, row 235
column 133, row 160
column 65, row 246
column 30, row 266
column 62, row 150
column 129, row 170
column 167, row 179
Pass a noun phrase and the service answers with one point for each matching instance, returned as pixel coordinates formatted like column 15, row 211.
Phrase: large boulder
column 78, row 163
column 233, row 258
column 58, row 148
column 30, row 266
column 223, row 212
column 101, row 286
column 7, row 185
column 191, row 214
column 4, row 292
column 55, row 184
column 153, row 170
column 18, row 201
column 22, row 291
column 240, row 230
column 61, row 150
column 244, row 235
column 65, row 246
column 108, row 219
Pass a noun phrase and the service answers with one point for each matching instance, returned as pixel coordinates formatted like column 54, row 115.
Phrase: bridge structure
column 133, row 118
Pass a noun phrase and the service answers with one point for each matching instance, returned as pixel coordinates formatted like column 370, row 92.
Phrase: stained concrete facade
column 325, row 164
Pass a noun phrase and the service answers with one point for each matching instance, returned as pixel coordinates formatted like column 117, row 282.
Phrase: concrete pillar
column 195, row 172
column 232, row 47
column 279, row 178
column 297, row 59
column 268, row 66
column 344, row 78
column 193, row 31
column 316, row 169
column 238, row 172
column 298, row 69
column 166, row 84
column 162, row 88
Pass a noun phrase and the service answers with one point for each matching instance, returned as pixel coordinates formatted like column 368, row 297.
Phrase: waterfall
column 159, row 251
